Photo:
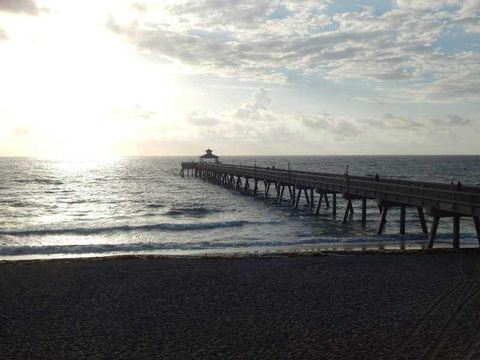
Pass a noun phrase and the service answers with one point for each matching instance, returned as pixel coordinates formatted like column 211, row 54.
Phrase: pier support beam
column 334, row 205
column 437, row 214
column 383, row 220
column 267, row 189
column 456, row 232
column 299, row 193
column 317, row 210
column 323, row 196
column 421, row 216
column 239, row 183
column 280, row 194
column 311, row 198
column 348, row 211
column 433, row 231
column 247, row 184
column 306, row 196
column 364, row 212
column 476, row 222
column 327, row 203
column 402, row 220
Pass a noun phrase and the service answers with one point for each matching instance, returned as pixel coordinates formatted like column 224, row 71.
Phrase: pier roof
column 208, row 155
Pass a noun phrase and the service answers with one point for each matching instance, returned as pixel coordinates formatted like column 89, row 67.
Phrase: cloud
column 246, row 118
column 378, row 99
column 458, row 80
column 132, row 112
column 3, row 34
column 243, row 13
column 202, row 118
column 443, row 122
column 265, row 41
column 250, row 123
column 140, row 112
column 389, row 121
column 340, row 128
column 285, row 132
column 426, row 4
column 255, row 108
column 19, row 6
column 424, row 122
column 254, row 121
column 468, row 16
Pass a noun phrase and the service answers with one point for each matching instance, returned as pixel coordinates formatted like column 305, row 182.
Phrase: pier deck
column 435, row 199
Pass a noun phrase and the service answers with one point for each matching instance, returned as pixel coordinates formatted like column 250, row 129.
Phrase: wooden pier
column 433, row 199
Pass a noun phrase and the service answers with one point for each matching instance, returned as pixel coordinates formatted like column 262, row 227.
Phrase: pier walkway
column 433, row 199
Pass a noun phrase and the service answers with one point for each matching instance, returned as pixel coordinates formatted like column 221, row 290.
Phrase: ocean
column 140, row 205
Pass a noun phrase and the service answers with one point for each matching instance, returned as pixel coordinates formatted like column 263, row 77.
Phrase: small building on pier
column 209, row 157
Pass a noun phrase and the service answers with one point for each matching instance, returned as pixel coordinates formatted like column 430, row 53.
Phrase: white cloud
column 399, row 132
column 202, row 118
column 468, row 16
column 391, row 122
column 340, row 128
column 426, row 4
column 242, row 40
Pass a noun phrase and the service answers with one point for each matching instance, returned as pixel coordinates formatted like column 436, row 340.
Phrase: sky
column 94, row 79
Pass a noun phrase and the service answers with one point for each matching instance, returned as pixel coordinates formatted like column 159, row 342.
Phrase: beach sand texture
column 373, row 306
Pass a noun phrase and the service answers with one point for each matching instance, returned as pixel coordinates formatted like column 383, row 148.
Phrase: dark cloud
column 19, row 6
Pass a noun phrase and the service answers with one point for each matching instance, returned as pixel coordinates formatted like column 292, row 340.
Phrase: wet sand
column 372, row 306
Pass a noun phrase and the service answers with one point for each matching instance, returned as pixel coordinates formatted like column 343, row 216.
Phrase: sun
column 89, row 143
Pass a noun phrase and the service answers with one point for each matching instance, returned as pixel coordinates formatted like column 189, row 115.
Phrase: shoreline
column 239, row 255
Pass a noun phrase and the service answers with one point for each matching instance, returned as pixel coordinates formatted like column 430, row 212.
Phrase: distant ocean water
column 141, row 205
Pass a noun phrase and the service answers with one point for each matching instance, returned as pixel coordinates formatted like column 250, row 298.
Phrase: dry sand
column 376, row 306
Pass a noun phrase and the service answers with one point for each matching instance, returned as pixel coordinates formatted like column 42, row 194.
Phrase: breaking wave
column 194, row 211
column 143, row 247
column 128, row 228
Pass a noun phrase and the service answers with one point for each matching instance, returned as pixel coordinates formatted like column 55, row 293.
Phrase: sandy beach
column 371, row 306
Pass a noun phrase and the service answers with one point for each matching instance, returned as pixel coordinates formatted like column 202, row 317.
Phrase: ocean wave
column 40, row 181
column 190, row 211
column 127, row 228
column 155, row 206
column 328, row 242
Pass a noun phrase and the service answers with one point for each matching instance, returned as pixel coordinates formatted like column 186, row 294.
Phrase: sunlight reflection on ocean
column 142, row 205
